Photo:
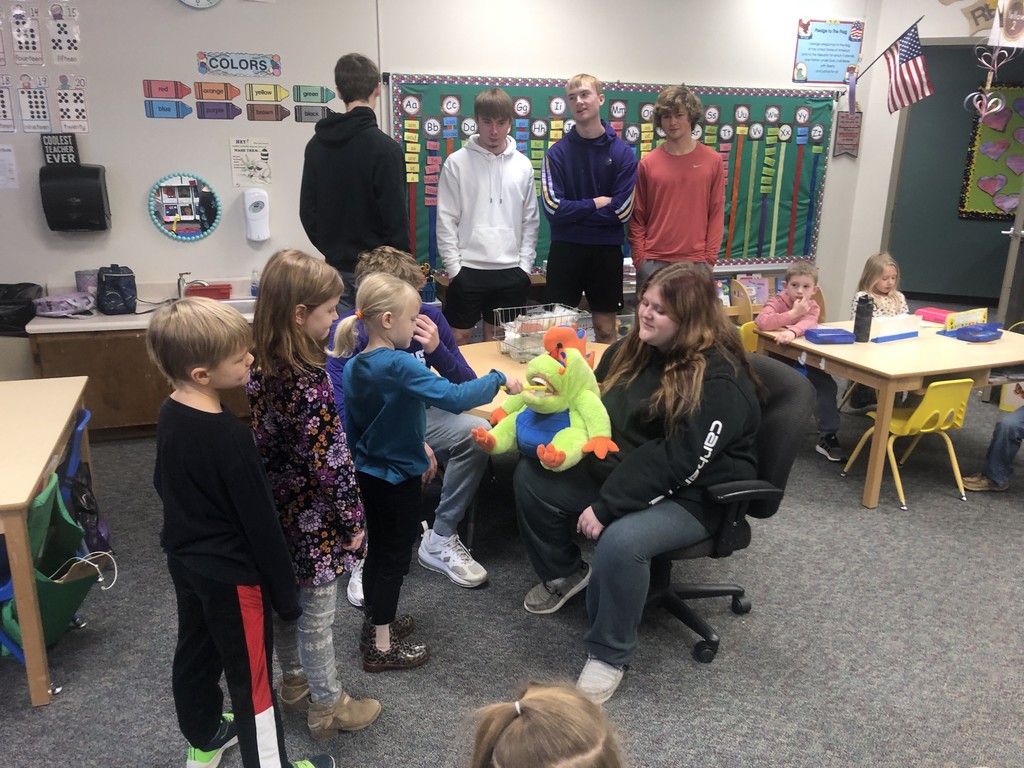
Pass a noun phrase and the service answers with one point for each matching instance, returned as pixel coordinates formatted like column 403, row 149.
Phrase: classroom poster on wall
column 826, row 51
column 774, row 144
column 995, row 160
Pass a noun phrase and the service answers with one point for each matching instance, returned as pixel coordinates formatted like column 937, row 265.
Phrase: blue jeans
column 449, row 436
column 1004, row 446
column 306, row 646
column 826, row 407
column 548, row 505
column 347, row 302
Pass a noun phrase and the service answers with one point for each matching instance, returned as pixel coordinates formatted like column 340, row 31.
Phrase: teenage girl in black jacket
column 684, row 413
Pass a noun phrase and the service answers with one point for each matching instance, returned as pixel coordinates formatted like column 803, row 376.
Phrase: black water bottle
column 862, row 318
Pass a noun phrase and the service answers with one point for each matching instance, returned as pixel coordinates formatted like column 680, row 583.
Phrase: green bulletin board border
column 764, row 176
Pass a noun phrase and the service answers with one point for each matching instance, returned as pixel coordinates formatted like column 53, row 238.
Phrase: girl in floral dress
column 299, row 436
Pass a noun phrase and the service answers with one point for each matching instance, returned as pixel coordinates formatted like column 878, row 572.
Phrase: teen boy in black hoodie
column 353, row 195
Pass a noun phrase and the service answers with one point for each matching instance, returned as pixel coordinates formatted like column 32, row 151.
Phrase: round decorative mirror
column 184, row 206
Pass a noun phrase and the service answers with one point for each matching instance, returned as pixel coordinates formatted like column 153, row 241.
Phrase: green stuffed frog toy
column 559, row 416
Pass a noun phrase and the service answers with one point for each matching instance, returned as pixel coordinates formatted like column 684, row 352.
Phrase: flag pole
column 861, row 74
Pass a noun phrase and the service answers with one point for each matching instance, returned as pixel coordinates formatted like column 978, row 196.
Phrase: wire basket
column 520, row 331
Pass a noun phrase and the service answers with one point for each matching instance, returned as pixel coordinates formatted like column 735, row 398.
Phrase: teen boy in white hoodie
column 487, row 220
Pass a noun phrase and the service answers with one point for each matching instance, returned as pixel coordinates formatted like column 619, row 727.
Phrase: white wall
column 122, row 47
column 728, row 43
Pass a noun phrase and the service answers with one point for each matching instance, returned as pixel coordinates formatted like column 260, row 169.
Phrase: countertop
column 149, row 299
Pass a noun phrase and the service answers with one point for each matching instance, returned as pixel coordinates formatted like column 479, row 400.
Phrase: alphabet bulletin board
column 774, row 144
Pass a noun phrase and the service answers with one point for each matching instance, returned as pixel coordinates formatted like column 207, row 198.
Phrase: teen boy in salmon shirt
column 679, row 210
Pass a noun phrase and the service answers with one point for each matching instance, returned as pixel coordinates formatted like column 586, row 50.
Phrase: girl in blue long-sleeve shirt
column 386, row 392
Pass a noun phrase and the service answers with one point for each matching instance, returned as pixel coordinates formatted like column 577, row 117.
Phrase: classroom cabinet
column 125, row 389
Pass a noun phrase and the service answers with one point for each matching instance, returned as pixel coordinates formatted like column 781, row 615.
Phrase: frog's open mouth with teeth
column 544, row 388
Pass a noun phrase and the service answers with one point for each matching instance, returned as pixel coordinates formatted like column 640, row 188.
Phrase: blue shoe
column 209, row 756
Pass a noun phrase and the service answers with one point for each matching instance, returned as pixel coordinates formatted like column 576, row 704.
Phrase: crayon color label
column 164, row 108
column 266, row 112
column 216, row 110
column 216, row 91
column 165, row 89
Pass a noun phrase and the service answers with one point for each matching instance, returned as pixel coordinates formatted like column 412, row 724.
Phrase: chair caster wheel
column 741, row 604
column 704, row 652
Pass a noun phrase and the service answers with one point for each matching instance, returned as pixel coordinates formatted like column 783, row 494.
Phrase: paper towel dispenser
column 75, row 197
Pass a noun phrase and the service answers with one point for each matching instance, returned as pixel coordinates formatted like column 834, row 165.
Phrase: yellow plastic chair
column 819, row 297
column 943, row 408
column 748, row 336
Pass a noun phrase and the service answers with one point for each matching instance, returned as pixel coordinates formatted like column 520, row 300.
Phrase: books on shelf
column 724, row 296
column 757, row 287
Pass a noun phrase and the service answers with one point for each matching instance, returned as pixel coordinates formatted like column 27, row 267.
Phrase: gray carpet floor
column 877, row 637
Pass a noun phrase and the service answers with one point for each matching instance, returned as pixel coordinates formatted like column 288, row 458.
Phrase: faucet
column 182, row 284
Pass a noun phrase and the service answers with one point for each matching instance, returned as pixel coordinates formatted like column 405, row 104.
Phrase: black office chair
column 790, row 400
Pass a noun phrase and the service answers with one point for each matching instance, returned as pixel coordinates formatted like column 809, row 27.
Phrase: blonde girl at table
column 684, row 412
column 299, row 436
column 880, row 280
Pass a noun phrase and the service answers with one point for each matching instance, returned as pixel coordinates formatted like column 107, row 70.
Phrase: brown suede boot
column 293, row 693
column 347, row 714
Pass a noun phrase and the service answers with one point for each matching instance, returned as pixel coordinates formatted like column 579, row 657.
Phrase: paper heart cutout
column 996, row 149
column 998, row 120
column 1006, row 203
column 1018, row 135
column 991, row 184
column 1018, row 106
column 989, row 103
column 1016, row 163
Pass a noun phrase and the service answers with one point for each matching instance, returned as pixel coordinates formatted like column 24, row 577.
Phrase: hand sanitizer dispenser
column 257, row 213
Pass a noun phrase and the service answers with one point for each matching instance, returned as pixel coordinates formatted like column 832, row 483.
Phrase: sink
column 246, row 304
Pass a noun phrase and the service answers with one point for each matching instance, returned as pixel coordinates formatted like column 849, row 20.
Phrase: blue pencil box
column 829, row 336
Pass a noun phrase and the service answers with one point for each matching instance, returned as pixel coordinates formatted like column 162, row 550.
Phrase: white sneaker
column 355, row 586
column 599, row 680
column 450, row 557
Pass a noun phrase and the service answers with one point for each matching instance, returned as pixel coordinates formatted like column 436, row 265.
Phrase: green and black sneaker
column 209, row 755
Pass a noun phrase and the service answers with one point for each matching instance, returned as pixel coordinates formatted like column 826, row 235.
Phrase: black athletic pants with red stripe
column 226, row 628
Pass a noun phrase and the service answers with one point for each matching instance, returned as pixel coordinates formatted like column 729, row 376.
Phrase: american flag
column 908, row 77
column 857, row 31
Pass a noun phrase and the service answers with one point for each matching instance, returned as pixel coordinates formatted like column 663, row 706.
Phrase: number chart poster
column 774, row 144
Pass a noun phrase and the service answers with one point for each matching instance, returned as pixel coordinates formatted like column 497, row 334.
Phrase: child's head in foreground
column 195, row 332
column 548, row 726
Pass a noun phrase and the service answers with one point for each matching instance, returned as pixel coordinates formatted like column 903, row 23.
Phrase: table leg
column 876, row 459
column 18, row 551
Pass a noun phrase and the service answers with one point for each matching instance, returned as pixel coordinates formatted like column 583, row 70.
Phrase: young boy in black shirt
column 225, row 549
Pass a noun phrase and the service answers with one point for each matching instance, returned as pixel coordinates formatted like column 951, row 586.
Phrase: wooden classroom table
column 898, row 366
column 37, row 418
column 484, row 355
